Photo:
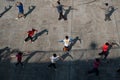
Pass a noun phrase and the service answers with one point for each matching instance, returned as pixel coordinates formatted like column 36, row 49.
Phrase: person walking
column 53, row 59
column 105, row 49
column 60, row 10
column 19, row 58
column 31, row 34
column 19, row 5
column 95, row 67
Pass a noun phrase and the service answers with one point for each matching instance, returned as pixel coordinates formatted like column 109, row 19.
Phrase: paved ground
column 85, row 20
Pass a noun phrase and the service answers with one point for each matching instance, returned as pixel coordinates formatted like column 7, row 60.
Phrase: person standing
column 31, row 33
column 67, row 41
column 107, row 12
column 95, row 67
column 60, row 10
column 19, row 5
column 53, row 59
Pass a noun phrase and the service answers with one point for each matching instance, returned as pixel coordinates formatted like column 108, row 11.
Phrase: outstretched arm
column 61, row 41
column 61, row 58
column 54, row 6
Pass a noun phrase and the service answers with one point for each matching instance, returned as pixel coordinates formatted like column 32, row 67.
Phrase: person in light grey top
column 108, row 11
column 60, row 10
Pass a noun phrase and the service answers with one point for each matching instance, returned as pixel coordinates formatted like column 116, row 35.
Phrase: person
column 67, row 41
column 107, row 11
column 53, row 59
column 31, row 33
column 95, row 67
column 60, row 10
column 19, row 58
column 21, row 10
column 105, row 49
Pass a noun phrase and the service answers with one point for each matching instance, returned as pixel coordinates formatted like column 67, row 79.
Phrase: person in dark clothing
column 19, row 58
column 60, row 10
column 95, row 67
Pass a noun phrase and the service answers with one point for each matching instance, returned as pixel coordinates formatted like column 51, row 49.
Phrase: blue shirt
column 20, row 8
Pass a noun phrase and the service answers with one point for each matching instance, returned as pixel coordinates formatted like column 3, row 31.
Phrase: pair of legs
column 104, row 53
column 66, row 48
column 52, row 65
column 19, row 62
column 94, row 70
column 107, row 17
column 29, row 37
column 61, row 16
column 21, row 14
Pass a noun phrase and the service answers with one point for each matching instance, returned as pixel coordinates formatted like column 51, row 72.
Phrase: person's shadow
column 39, row 34
column 73, row 42
column 4, row 53
column 112, row 9
column 6, row 10
column 67, row 11
column 31, row 8
column 66, row 55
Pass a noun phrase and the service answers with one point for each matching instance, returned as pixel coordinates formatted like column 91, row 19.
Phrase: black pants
column 107, row 17
column 61, row 16
column 28, row 38
column 104, row 53
column 52, row 65
column 19, row 62
column 94, row 70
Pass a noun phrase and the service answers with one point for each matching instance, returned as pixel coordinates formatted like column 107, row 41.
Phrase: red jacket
column 105, row 47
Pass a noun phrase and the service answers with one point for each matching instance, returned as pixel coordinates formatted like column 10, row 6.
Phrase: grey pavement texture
column 85, row 20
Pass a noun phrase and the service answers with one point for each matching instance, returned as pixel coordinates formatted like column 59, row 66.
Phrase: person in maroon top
column 31, row 33
column 19, row 58
column 95, row 67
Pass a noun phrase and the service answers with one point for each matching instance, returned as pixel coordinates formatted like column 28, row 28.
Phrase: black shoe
column 59, row 18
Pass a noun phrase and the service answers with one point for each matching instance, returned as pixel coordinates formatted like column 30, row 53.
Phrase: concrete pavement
column 85, row 20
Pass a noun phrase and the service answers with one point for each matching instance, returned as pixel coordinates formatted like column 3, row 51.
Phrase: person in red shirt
column 19, row 58
column 31, row 33
column 95, row 67
column 105, row 49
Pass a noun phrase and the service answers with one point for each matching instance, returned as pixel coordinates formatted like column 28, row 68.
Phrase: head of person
column 97, row 59
column 20, row 53
column 66, row 37
column 54, row 55
column 107, row 43
column 19, row 3
column 33, row 29
column 58, row 2
column 106, row 4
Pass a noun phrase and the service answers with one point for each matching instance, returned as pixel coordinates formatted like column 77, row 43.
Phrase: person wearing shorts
column 19, row 5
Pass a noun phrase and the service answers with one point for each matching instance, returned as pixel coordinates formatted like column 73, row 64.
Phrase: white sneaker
column 16, row 18
column 24, row 42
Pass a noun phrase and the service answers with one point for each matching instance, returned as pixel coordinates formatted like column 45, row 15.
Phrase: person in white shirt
column 53, row 59
column 67, row 41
